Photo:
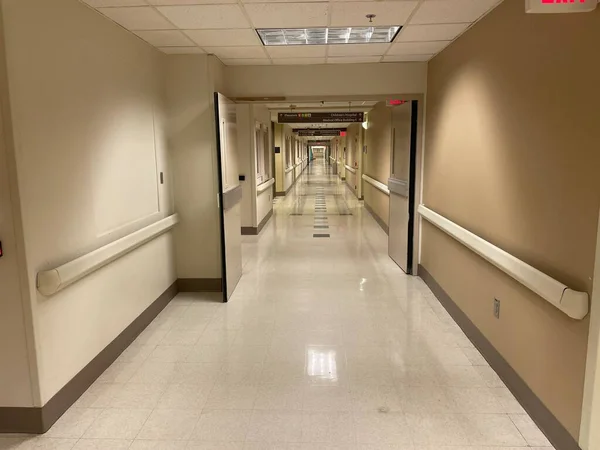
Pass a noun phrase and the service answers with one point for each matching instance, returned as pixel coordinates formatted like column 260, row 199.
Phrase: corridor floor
column 325, row 345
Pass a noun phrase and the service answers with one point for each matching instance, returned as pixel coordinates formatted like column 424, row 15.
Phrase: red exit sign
column 395, row 102
column 559, row 6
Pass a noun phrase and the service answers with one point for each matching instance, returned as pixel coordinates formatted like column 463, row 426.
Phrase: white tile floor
column 325, row 345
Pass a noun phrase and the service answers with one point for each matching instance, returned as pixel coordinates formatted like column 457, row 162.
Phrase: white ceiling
column 226, row 28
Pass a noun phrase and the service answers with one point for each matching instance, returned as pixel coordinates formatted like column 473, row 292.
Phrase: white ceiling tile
column 137, row 18
column 353, row 59
column 407, row 58
column 165, row 38
column 298, row 61
column 222, row 38
column 246, row 62
column 205, row 16
column 181, row 50
column 287, row 15
column 297, row 51
column 438, row 32
column 187, row 2
column 358, row 49
column 452, row 11
column 237, row 52
column 104, row 3
column 417, row 48
column 387, row 13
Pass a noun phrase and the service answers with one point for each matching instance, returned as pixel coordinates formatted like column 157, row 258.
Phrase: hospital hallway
column 325, row 344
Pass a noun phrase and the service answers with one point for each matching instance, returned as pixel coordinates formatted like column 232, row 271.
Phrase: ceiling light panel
column 324, row 36
column 205, row 16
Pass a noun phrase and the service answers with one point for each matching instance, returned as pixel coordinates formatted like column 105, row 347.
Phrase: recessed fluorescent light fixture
column 325, row 36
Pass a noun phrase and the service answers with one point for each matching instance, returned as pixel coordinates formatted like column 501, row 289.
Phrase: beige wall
column 377, row 159
column 333, row 79
column 16, row 377
column 88, row 117
column 590, row 432
column 192, row 149
column 354, row 157
column 512, row 155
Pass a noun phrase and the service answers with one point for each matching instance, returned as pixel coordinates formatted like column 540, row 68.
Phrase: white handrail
column 49, row 282
column 350, row 168
column 289, row 169
column 574, row 304
column 266, row 185
column 378, row 184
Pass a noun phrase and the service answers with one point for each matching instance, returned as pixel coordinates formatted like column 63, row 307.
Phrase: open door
column 230, row 194
column 402, row 184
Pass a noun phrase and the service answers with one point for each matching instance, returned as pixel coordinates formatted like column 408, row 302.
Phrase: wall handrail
column 573, row 303
column 377, row 184
column 266, row 185
column 350, row 168
column 289, row 169
column 49, row 282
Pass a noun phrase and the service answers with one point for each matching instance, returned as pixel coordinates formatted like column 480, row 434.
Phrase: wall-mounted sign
column 308, row 132
column 321, row 117
column 559, row 6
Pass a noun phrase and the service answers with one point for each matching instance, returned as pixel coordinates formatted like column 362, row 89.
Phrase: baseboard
column 377, row 219
column 279, row 194
column 199, row 285
column 253, row 231
column 39, row 420
column 556, row 433
column 263, row 222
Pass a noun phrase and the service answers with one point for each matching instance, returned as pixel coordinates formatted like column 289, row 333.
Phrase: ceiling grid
column 228, row 28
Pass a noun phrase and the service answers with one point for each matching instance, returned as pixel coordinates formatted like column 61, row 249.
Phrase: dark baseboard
column 199, row 285
column 377, row 219
column 541, row 415
column 279, row 194
column 39, row 420
column 253, row 231
column 263, row 222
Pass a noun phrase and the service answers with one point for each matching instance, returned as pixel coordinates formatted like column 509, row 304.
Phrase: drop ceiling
column 226, row 28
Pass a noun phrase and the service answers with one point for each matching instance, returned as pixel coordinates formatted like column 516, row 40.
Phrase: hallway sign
column 559, row 6
column 321, row 117
column 309, row 132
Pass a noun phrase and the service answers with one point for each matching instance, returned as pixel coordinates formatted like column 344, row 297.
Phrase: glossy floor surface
column 325, row 344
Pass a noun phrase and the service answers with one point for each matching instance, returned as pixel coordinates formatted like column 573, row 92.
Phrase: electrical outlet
column 496, row 308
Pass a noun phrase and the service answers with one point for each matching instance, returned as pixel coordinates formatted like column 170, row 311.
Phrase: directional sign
column 306, row 132
column 321, row 117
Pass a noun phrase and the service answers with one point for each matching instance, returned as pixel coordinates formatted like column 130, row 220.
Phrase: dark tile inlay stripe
column 321, row 235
